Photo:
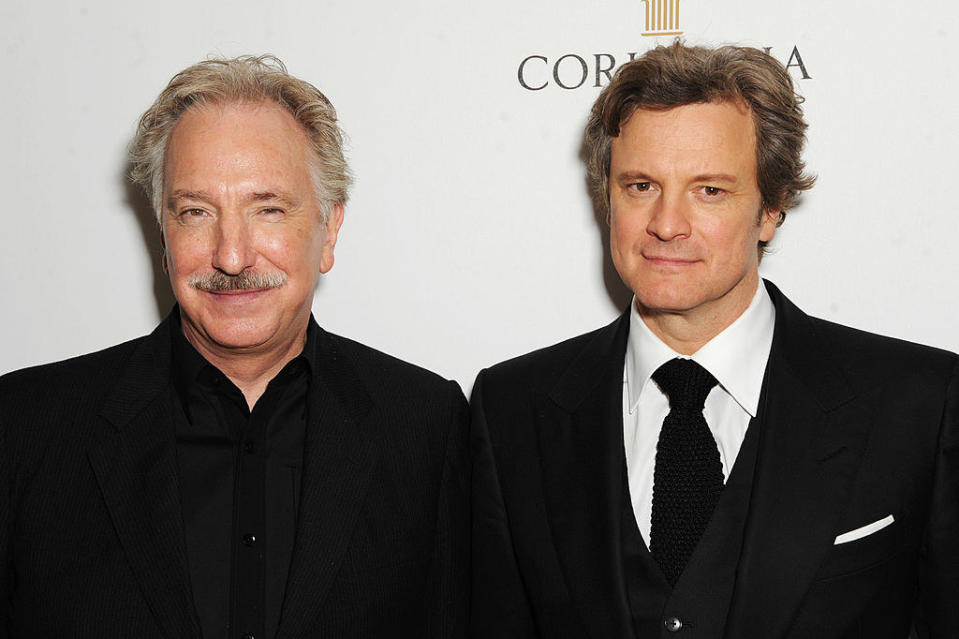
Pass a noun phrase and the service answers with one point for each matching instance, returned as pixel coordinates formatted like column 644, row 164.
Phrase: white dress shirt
column 736, row 357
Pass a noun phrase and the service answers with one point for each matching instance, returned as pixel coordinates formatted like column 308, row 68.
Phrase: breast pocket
column 862, row 554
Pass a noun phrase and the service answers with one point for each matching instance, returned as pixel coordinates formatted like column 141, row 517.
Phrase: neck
column 250, row 370
column 687, row 331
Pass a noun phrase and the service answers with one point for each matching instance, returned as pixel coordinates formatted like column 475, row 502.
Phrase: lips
column 237, row 292
column 238, row 298
column 667, row 260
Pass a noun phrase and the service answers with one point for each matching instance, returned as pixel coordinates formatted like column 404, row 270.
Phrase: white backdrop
column 469, row 237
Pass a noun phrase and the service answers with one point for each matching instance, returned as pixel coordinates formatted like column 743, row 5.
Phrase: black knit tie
column 688, row 478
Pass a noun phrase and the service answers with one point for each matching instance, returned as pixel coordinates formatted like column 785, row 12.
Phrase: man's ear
column 164, row 264
column 333, row 223
column 769, row 221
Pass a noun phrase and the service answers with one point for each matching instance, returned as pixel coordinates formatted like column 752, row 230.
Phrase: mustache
column 217, row 281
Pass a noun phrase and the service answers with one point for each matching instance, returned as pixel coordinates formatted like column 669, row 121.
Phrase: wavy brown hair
column 247, row 79
column 676, row 75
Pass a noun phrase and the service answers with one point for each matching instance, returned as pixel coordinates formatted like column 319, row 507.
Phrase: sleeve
column 6, row 518
column 448, row 585
column 499, row 606
column 937, row 614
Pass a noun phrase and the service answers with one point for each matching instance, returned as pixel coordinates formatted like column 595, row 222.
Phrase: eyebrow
column 203, row 196
column 716, row 177
column 270, row 196
column 706, row 177
column 182, row 194
column 633, row 175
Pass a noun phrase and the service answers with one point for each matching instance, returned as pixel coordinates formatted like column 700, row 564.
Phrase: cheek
column 625, row 231
column 292, row 251
column 618, row 244
column 184, row 252
column 734, row 246
column 275, row 246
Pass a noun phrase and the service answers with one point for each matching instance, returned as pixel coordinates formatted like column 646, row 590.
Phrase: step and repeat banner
column 470, row 237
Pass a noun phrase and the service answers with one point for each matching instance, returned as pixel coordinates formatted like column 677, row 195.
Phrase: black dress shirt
column 239, row 474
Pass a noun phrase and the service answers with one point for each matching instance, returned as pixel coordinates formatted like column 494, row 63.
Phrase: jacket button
column 673, row 624
column 249, row 539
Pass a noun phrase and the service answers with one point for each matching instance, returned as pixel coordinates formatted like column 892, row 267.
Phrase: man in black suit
column 240, row 472
column 715, row 463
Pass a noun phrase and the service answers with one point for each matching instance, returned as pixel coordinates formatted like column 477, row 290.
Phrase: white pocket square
column 864, row 531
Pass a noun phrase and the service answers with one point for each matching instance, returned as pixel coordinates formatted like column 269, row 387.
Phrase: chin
column 677, row 307
column 240, row 333
column 667, row 298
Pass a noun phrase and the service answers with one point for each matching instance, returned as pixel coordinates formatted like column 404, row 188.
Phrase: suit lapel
column 581, row 443
column 135, row 465
column 341, row 448
column 811, row 443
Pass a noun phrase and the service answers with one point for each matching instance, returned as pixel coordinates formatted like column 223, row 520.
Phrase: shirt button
column 249, row 447
column 249, row 635
column 673, row 624
column 248, row 540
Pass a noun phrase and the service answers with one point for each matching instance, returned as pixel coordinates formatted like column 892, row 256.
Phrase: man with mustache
column 714, row 463
column 240, row 472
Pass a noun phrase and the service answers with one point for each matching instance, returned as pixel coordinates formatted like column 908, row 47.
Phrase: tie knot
column 685, row 382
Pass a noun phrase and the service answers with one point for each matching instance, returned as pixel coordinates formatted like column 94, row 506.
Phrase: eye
column 642, row 187
column 190, row 215
column 272, row 212
column 712, row 191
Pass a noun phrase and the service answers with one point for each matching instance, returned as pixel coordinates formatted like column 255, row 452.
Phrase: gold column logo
column 662, row 17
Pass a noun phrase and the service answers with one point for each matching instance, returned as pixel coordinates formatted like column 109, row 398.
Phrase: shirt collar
column 736, row 357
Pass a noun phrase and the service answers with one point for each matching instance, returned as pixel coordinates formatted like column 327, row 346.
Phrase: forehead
column 702, row 134
column 237, row 140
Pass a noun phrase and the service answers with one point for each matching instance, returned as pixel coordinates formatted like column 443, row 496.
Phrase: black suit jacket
column 91, row 537
column 857, row 427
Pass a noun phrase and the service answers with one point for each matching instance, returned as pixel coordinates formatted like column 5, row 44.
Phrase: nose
column 233, row 251
column 669, row 219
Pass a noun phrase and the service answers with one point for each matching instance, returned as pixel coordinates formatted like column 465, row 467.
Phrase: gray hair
column 243, row 79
